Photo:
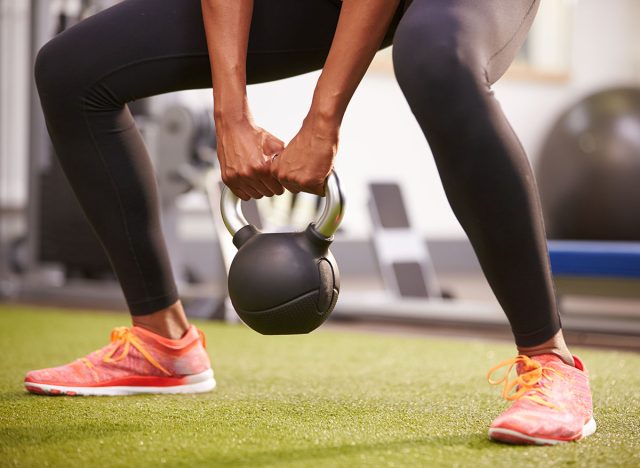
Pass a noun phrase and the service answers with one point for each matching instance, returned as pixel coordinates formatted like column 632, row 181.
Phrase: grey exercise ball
column 589, row 169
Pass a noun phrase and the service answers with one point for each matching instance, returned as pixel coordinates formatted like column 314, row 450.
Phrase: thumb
column 272, row 145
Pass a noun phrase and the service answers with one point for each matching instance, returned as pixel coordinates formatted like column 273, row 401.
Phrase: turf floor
column 331, row 398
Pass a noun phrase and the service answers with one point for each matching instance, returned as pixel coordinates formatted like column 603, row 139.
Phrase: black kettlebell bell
column 288, row 282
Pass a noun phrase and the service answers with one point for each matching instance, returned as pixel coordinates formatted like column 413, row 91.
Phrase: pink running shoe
column 136, row 361
column 552, row 401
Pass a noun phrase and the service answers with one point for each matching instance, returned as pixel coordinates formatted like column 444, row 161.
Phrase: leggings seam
column 510, row 40
column 120, row 206
column 138, row 62
column 192, row 55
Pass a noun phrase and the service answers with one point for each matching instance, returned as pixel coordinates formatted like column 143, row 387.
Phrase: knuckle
column 241, row 195
column 231, row 173
column 286, row 176
column 227, row 179
column 263, row 172
column 292, row 187
column 244, row 174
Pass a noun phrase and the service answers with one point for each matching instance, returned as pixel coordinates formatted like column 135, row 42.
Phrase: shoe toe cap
column 64, row 375
column 38, row 376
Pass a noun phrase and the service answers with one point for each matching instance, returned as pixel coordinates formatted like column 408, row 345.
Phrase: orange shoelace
column 529, row 384
column 125, row 338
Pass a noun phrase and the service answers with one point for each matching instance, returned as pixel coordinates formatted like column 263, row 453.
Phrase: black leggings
column 446, row 55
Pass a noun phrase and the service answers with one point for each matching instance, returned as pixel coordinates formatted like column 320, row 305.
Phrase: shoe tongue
column 543, row 359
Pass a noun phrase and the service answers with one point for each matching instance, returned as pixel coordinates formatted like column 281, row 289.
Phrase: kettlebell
column 286, row 282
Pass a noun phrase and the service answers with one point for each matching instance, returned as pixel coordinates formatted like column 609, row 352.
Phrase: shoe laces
column 124, row 339
column 532, row 383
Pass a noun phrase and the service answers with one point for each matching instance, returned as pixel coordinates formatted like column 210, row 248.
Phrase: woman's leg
column 447, row 53
column 85, row 77
column 138, row 48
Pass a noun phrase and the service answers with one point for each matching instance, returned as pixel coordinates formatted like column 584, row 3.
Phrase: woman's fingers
column 275, row 187
column 256, row 183
column 249, row 192
column 240, row 194
column 263, row 181
column 292, row 187
column 262, row 187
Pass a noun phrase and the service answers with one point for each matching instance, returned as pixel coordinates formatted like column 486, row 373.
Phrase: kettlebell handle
column 326, row 225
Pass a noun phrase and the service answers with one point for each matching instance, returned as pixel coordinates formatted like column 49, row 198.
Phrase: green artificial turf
column 331, row 398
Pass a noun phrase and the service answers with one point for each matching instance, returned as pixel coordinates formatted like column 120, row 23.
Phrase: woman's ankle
column 170, row 322
column 555, row 345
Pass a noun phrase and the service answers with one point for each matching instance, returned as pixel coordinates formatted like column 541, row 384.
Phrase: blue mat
column 595, row 259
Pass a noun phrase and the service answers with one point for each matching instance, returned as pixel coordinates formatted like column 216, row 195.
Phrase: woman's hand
column 245, row 152
column 306, row 162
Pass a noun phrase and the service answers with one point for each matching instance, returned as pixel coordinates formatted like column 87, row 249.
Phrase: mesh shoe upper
column 552, row 400
column 132, row 352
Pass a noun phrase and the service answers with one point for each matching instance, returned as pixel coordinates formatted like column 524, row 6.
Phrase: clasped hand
column 256, row 164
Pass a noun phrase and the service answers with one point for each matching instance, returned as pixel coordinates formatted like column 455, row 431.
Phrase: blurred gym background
column 573, row 97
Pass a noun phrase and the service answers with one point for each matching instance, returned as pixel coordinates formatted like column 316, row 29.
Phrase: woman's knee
column 66, row 71
column 431, row 58
column 55, row 75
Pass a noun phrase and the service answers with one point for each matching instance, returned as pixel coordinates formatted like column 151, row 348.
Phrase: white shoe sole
column 515, row 437
column 197, row 383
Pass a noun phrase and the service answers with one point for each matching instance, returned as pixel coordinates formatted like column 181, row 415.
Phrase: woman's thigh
column 140, row 48
column 485, row 33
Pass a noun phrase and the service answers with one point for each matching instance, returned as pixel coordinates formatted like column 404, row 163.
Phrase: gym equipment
column 8, row 283
column 284, row 283
column 596, row 268
column 599, row 259
column 405, row 301
column 588, row 175
column 589, row 169
column 403, row 257
column 410, row 289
